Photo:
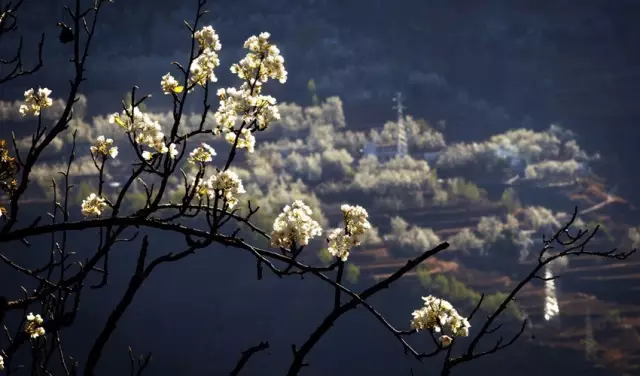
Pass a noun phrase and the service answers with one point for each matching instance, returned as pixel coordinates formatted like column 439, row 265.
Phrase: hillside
column 491, row 199
column 606, row 288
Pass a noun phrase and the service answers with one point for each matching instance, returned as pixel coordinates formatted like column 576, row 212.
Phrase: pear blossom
column 439, row 315
column 342, row 240
column 248, row 105
column 33, row 326
column 246, row 141
column 226, row 183
column 146, row 131
column 93, row 205
column 103, row 147
column 1, row 363
column 261, row 63
column 35, row 102
column 170, row 84
column 339, row 243
column 355, row 219
column 203, row 153
column 294, row 225
column 232, row 103
column 202, row 68
column 207, row 38
column 173, row 151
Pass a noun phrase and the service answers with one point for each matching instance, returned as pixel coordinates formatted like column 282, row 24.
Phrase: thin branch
column 246, row 355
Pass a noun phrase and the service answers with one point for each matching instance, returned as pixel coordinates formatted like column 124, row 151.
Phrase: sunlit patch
column 551, row 308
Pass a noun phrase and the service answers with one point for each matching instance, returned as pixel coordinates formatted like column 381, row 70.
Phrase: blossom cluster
column 207, row 38
column 226, row 184
column 294, row 226
column 247, row 104
column 262, row 62
column 35, row 101
column 93, row 205
column 342, row 240
column 438, row 315
column 145, row 130
column 245, row 141
column 103, row 147
column 33, row 326
column 170, row 85
column 1, row 363
column 8, row 170
column 203, row 153
column 203, row 66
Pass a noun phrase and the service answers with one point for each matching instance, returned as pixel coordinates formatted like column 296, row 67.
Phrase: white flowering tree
column 212, row 194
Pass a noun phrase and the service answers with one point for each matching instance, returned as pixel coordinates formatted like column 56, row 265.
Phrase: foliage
column 352, row 273
column 510, row 199
column 325, row 257
column 458, row 292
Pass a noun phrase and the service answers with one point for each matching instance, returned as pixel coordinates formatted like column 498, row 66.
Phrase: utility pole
column 403, row 148
column 551, row 308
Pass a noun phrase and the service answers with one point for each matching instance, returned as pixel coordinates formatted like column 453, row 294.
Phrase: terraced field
column 594, row 295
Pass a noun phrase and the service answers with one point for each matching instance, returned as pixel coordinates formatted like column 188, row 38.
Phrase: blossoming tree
column 211, row 194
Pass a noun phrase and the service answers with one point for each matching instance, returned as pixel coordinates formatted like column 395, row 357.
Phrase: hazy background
column 483, row 66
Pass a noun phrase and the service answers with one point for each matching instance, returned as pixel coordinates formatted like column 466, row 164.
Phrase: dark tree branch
column 246, row 355
column 301, row 353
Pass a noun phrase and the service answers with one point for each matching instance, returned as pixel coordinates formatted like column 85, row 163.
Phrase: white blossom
column 294, row 225
column 203, row 153
column 173, row 151
column 35, row 102
column 245, row 104
column 146, row 131
column 93, row 205
column 246, row 141
column 439, row 315
column 342, row 240
column 207, row 38
column 339, row 243
column 33, row 326
column 355, row 219
column 202, row 68
column 170, row 84
column 1, row 363
column 103, row 147
column 261, row 63
column 226, row 184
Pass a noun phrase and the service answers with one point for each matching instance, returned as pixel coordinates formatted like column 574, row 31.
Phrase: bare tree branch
column 247, row 354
